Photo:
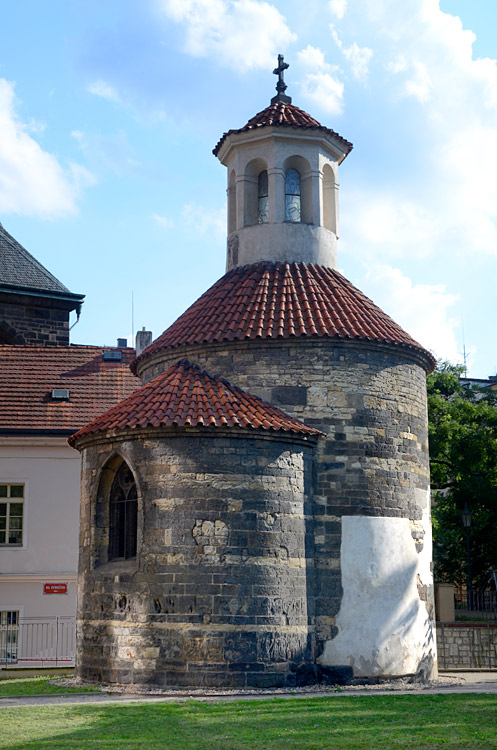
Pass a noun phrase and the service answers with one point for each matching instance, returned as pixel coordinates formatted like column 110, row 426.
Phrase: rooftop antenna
column 132, row 320
column 464, row 354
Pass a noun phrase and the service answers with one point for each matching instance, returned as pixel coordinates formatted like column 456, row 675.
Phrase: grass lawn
column 441, row 722
column 37, row 686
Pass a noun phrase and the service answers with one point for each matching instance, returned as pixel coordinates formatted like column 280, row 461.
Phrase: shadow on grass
column 455, row 722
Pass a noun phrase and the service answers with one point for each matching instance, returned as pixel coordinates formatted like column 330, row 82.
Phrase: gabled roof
column 28, row 374
column 282, row 300
column 19, row 269
column 185, row 396
column 282, row 114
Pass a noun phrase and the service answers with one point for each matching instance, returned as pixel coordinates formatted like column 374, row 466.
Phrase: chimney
column 143, row 339
column 122, row 343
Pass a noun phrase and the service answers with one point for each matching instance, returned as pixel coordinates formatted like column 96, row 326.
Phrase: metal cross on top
column 281, row 85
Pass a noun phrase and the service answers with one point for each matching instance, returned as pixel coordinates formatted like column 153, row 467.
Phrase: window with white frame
column 11, row 514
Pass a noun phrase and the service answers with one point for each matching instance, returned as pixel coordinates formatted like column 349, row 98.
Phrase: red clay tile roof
column 29, row 373
column 185, row 396
column 282, row 300
column 281, row 114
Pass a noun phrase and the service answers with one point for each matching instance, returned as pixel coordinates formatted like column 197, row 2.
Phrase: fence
column 467, row 645
column 37, row 641
column 480, row 604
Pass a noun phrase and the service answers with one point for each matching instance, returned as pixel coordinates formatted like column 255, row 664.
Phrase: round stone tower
column 258, row 513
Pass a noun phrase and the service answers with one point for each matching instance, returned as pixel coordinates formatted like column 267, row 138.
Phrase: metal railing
column 479, row 604
column 38, row 641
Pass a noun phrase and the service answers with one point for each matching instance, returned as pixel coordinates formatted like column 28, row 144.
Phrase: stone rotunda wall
column 219, row 591
column 370, row 487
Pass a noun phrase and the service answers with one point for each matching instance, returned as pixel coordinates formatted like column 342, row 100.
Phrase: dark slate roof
column 28, row 374
column 185, row 396
column 282, row 114
column 280, row 301
column 18, row 268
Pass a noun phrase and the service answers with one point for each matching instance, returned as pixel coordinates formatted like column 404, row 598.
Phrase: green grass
column 36, row 686
column 424, row 722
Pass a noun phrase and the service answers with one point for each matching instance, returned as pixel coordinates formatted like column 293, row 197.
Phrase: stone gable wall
column 33, row 326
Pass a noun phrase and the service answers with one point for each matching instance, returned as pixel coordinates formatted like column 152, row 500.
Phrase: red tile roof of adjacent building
column 282, row 300
column 281, row 114
column 28, row 374
column 185, row 396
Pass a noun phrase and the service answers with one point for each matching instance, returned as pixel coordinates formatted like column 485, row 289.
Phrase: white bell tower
column 282, row 185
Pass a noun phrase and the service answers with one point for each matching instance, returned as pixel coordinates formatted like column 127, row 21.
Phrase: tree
column 463, row 459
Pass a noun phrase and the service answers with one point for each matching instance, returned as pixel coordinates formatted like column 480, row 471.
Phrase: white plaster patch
column 383, row 626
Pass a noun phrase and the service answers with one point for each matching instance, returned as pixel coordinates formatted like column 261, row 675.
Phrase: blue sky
column 109, row 111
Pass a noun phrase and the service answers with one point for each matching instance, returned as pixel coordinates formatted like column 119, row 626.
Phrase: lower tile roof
column 185, row 396
column 28, row 374
column 282, row 300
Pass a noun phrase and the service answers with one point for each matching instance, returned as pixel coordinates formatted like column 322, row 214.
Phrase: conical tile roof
column 282, row 114
column 282, row 300
column 185, row 396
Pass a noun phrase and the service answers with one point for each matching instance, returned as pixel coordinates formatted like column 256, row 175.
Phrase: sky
column 110, row 109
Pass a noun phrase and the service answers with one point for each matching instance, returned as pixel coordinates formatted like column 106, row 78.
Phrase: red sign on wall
column 55, row 588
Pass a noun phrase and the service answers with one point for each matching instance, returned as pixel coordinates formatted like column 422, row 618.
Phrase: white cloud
column 105, row 90
column 321, row 84
column 338, row 7
column 237, row 33
column 32, row 181
column 421, row 309
column 444, row 200
column 384, row 223
column 203, row 220
column 358, row 57
column 163, row 221
column 398, row 65
column 419, row 85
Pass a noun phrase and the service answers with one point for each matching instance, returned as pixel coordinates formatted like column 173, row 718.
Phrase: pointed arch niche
column 116, row 513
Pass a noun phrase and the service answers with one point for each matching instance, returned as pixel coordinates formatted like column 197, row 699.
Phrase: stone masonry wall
column 218, row 593
column 370, row 401
column 467, row 646
column 33, row 325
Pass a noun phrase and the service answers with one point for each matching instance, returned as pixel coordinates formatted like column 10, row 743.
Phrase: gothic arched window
column 262, row 198
column 122, row 515
column 292, row 196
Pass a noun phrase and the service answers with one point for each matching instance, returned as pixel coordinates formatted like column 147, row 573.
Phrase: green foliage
column 412, row 722
column 463, row 458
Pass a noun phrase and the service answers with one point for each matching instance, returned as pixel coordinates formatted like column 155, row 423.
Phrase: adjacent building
column 48, row 389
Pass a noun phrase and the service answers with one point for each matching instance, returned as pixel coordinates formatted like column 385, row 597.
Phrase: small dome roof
column 282, row 114
column 282, row 300
column 185, row 396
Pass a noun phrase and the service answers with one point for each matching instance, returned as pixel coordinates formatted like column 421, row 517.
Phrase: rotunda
column 258, row 513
